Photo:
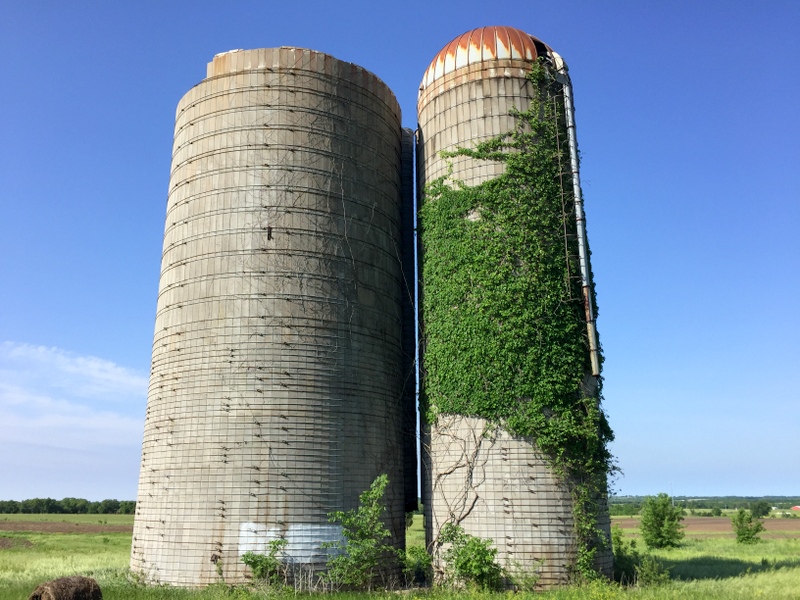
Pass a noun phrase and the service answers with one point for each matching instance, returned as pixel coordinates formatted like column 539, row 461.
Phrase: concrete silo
column 476, row 472
column 277, row 382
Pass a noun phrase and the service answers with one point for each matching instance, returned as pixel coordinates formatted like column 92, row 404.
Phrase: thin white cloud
column 75, row 375
column 81, row 408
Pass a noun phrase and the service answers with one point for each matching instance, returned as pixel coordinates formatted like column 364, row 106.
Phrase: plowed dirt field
column 720, row 526
column 60, row 527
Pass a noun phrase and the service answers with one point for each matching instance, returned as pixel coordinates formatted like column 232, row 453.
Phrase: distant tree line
column 68, row 506
column 632, row 505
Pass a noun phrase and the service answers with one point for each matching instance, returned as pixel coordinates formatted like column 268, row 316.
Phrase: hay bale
column 68, row 588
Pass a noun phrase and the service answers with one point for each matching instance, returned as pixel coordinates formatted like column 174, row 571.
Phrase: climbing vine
column 504, row 325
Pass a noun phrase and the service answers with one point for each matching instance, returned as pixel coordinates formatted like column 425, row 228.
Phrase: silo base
column 498, row 486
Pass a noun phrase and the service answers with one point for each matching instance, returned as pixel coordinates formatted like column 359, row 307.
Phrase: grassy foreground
column 704, row 567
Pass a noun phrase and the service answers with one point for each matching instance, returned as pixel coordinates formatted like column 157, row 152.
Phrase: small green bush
column 650, row 572
column 632, row 567
column 746, row 527
column 626, row 557
column 418, row 566
column 268, row 567
column 470, row 560
column 522, row 578
column 364, row 547
column 660, row 525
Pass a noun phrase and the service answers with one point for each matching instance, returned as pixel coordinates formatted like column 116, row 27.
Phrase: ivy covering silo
column 516, row 441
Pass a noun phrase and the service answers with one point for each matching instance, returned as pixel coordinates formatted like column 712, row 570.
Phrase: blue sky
column 688, row 126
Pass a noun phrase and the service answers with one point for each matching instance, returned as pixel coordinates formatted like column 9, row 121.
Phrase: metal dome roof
column 482, row 45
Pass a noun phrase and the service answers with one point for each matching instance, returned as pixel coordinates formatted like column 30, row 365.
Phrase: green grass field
column 78, row 519
column 703, row 567
column 415, row 535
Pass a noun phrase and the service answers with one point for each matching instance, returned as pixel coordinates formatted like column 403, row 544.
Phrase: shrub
column 523, row 579
column 626, row 557
column 470, row 560
column 409, row 519
column 418, row 565
column 364, row 545
column 651, row 572
column 660, row 526
column 633, row 568
column 268, row 567
column 746, row 527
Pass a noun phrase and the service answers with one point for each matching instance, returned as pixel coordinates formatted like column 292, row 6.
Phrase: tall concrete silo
column 277, row 383
column 475, row 472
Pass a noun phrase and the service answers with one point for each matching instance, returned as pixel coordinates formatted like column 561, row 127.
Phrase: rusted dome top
column 482, row 45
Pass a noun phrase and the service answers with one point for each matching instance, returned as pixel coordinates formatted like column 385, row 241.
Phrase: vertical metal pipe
column 409, row 337
column 580, row 218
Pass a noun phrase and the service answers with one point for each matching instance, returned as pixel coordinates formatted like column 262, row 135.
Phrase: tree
column 108, row 507
column 760, row 509
column 661, row 522
column 74, row 506
column 40, row 506
column 364, row 547
column 746, row 527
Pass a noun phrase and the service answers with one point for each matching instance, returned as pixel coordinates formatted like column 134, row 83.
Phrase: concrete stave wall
column 500, row 487
column 464, row 108
column 277, row 372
